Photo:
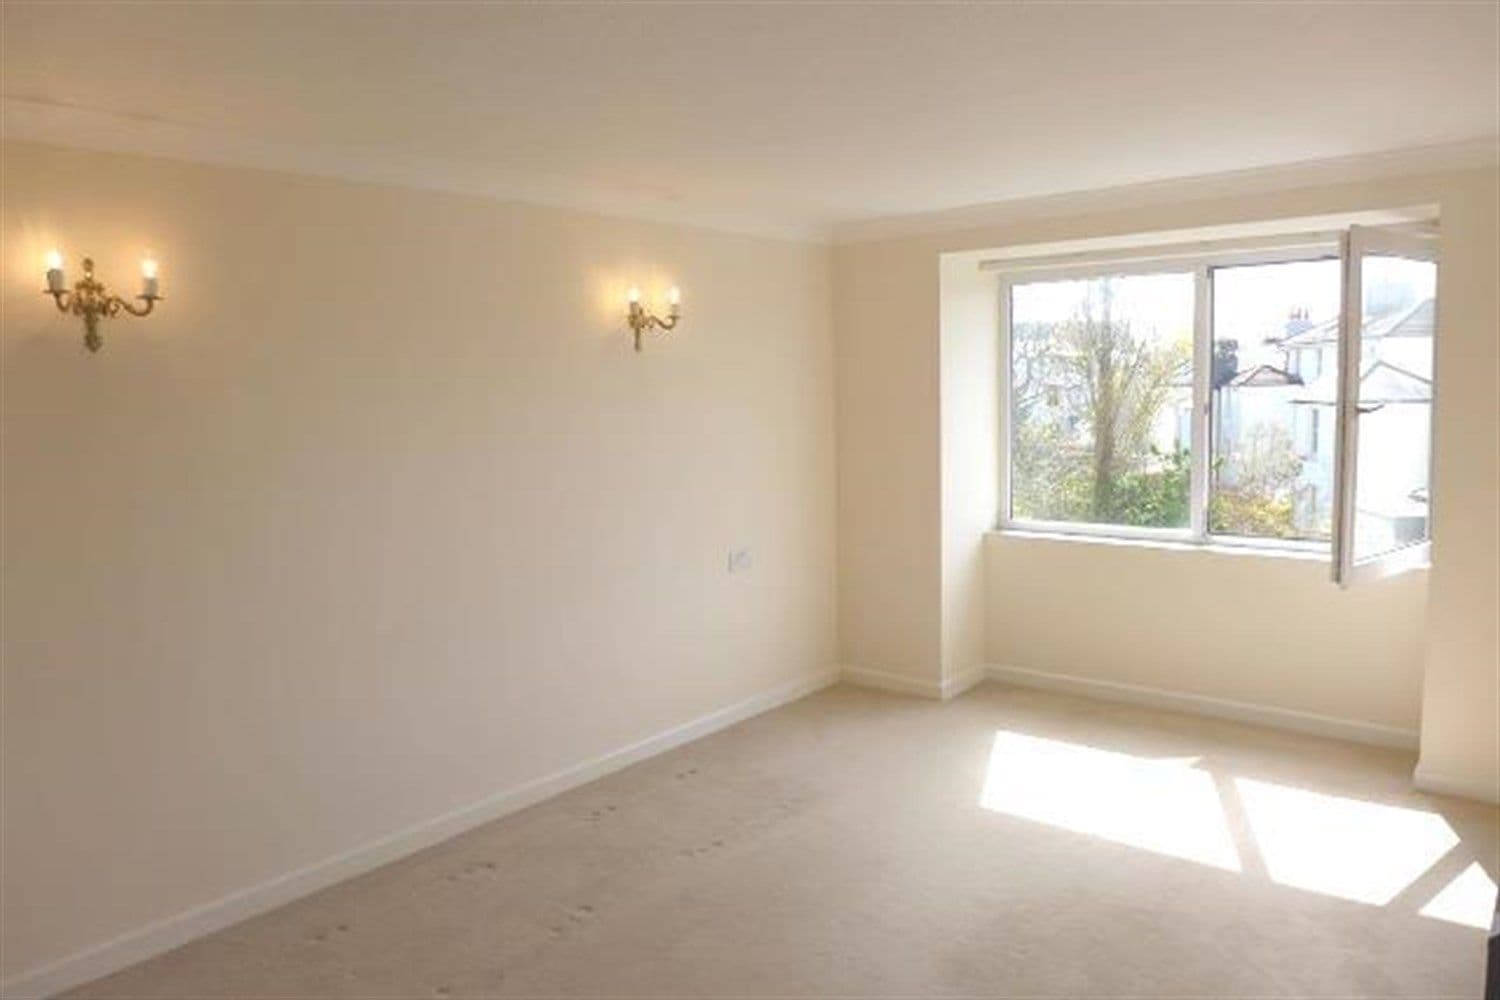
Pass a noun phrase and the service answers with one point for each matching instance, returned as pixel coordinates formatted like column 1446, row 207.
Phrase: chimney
column 1297, row 321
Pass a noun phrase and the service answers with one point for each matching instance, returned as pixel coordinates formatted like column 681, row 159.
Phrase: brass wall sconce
column 641, row 321
column 90, row 299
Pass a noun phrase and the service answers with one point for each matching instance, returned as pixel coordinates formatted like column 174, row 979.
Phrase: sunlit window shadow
column 1169, row 807
column 1348, row 848
column 1469, row 899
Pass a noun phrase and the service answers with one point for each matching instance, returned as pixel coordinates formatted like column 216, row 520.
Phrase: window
column 1209, row 394
column 1102, row 391
column 1385, row 404
column 1272, row 324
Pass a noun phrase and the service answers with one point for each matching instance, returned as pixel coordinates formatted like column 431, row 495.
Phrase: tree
column 1126, row 380
column 1088, row 392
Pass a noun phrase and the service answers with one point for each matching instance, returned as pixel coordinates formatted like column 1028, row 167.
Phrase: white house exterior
column 1298, row 398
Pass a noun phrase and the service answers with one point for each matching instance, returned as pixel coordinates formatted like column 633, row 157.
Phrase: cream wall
column 890, row 565
column 1045, row 599
column 969, row 358
column 379, row 515
column 1461, row 692
column 1221, row 624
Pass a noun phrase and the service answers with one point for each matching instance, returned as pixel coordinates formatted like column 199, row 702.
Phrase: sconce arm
column 145, row 310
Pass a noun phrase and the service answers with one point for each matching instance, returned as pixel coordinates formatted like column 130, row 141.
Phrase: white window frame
column 1358, row 243
column 1199, row 259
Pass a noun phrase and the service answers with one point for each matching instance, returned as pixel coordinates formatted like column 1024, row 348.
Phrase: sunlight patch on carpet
column 1342, row 847
column 1168, row 807
column 1468, row 900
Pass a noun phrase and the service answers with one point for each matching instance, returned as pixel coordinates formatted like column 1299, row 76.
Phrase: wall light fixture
column 640, row 320
column 91, row 300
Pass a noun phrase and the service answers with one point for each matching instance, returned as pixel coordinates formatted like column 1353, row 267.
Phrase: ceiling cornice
column 1470, row 154
column 29, row 120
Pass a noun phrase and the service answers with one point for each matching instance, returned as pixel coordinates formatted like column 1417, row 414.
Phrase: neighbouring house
column 1294, row 403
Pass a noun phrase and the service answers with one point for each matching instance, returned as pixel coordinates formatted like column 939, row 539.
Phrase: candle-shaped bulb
column 54, row 271
column 633, row 296
column 149, row 285
column 674, row 296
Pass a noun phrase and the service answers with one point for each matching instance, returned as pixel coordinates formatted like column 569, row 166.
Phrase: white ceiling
column 802, row 119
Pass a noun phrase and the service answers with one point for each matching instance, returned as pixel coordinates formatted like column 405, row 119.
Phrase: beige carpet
column 1007, row 844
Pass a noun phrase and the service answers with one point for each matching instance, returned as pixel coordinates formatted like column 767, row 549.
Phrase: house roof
column 1382, row 384
column 1263, row 377
column 1388, row 383
column 1413, row 321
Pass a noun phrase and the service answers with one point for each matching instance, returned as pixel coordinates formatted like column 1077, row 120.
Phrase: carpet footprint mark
column 477, row 869
column 322, row 934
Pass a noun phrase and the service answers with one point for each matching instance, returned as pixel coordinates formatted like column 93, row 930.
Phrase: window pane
column 1101, row 400
column 1395, row 404
column 1275, row 385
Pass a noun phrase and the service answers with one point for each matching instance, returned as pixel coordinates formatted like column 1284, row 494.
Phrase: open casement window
column 1271, row 393
column 1382, row 506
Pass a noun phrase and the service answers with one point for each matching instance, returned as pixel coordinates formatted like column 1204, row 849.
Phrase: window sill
column 1300, row 553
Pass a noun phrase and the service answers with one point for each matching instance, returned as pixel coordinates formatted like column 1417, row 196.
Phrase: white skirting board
column 178, row 929
column 1351, row 730
column 949, row 687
